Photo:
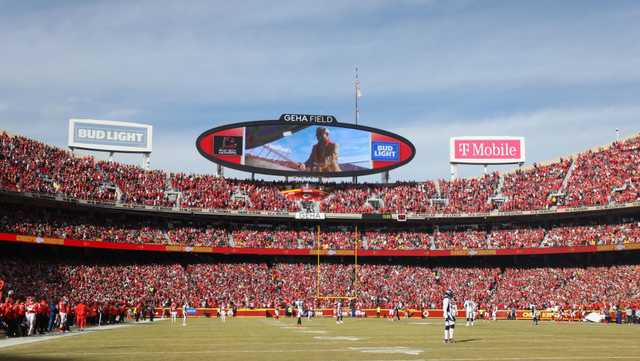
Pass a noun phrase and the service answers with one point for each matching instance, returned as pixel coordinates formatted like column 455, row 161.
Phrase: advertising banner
column 110, row 135
column 487, row 150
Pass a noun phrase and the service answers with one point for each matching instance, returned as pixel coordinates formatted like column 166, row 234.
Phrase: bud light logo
column 385, row 151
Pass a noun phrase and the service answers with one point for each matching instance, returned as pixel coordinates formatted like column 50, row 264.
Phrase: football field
column 323, row 340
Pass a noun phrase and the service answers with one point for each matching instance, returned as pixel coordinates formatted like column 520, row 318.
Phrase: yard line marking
column 106, row 353
column 393, row 349
column 338, row 338
column 333, row 350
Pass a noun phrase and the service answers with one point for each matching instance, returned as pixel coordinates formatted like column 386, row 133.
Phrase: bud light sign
column 110, row 135
column 385, row 151
column 487, row 150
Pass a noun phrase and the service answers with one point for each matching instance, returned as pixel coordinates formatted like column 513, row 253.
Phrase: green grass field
column 323, row 340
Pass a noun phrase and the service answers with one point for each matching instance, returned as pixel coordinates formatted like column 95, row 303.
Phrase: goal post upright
column 355, row 274
column 355, row 254
column 318, row 254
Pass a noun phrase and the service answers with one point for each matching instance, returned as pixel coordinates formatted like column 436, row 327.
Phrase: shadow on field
column 468, row 340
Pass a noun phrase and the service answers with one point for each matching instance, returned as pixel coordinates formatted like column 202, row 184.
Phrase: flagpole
column 356, row 96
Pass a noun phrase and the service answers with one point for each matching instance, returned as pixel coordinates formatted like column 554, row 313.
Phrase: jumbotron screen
column 305, row 145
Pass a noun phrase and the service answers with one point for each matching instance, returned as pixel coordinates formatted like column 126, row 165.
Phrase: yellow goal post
column 355, row 257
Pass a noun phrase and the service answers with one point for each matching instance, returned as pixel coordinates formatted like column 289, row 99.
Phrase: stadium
column 104, row 260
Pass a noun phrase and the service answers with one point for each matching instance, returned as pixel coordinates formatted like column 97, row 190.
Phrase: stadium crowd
column 111, row 293
column 108, row 227
column 43, row 222
column 46, row 292
column 531, row 189
column 607, row 175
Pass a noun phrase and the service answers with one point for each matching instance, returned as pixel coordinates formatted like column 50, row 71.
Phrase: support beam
column 454, row 171
column 384, row 177
column 146, row 161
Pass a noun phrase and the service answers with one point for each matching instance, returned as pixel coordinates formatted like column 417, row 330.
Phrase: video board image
column 312, row 148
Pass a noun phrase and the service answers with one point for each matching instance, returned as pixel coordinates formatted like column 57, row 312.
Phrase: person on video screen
column 324, row 155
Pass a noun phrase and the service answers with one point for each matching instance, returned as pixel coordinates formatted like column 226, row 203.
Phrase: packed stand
column 600, row 177
column 123, row 290
column 469, row 195
column 611, row 172
column 30, row 166
column 531, row 189
column 122, row 228
column 206, row 191
column 591, row 287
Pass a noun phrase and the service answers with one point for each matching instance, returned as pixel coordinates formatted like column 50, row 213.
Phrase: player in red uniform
column 81, row 315
column 174, row 312
column 10, row 317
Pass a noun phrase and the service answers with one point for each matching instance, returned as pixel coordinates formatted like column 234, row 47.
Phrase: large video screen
column 309, row 149
column 273, row 147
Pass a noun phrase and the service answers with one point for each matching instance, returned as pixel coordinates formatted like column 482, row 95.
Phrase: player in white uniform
column 184, row 312
column 310, row 312
column 223, row 313
column 299, row 312
column 449, row 315
column 30, row 315
column 470, row 312
column 534, row 314
column 339, row 312
column 276, row 311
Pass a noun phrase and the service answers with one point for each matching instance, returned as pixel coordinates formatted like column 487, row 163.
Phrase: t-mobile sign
column 487, row 150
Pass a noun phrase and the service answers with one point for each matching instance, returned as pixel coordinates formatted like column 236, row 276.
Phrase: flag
column 358, row 92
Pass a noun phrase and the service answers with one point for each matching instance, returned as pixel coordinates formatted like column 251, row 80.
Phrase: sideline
column 16, row 341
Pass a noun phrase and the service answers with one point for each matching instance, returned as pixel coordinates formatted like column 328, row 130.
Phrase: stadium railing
column 339, row 216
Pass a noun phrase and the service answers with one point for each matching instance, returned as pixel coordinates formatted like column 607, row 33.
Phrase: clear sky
column 564, row 74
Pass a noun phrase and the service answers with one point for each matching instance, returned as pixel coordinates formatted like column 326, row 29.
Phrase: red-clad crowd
column 533, row 188
column 599, row 177
column 469, row 195
column 592, row 287
column 113, row 292
column 119, row 228
column 606, row 175
column 206, row 191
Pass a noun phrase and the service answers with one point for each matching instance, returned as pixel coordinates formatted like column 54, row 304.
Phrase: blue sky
column 564, row 74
